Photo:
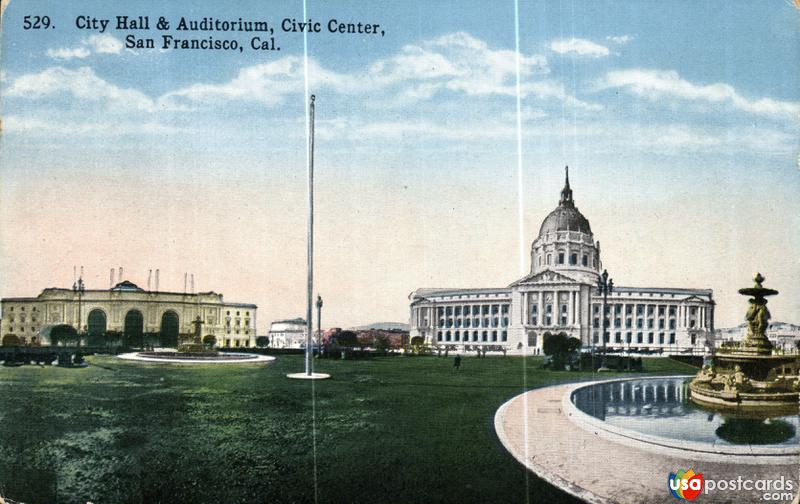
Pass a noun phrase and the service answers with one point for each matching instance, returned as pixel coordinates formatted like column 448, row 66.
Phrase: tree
column 262, row 341
column 381, row 344
column 559, row 347
column 209, row 340
column 11, row 340
column 347, row 339
column 417, row 345
column 113, row 338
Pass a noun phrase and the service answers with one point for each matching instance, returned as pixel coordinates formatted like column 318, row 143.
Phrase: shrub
column 560, row 347
column 11, row 340
column 262, row 341
column 209, row 341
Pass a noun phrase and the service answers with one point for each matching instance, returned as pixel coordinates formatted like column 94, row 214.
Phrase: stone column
column 540, row 314
column 569, row 307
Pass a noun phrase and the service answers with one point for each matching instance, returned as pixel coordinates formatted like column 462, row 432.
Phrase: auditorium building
column 560, row 296
column 128, row 310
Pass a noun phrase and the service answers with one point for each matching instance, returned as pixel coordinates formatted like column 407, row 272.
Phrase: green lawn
column 390, row 429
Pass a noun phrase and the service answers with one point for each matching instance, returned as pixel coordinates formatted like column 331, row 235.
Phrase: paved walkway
column 600, row 471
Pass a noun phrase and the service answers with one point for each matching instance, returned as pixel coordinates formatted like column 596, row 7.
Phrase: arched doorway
column 169, row 329
column 134, row 328
column 97, row 322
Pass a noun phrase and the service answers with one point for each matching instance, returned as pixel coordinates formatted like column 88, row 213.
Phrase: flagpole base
column 306, row 376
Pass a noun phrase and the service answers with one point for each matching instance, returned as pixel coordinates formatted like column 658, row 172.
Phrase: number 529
column 35, row 22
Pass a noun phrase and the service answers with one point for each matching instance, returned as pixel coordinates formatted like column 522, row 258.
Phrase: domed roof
column 566, row 217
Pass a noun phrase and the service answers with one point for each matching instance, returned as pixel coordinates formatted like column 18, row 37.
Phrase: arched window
column 573, row 259
column 97, row 322
column 585, row 260
column 561, row 258
column 549, row 258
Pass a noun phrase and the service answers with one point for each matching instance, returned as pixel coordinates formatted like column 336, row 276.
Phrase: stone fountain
column 750, row 377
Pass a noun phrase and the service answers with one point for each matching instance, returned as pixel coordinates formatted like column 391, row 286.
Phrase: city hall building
column 560, row 296
column 129, row 310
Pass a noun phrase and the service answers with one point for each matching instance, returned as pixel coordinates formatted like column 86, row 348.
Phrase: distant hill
column 773, row 327
column 384, row 326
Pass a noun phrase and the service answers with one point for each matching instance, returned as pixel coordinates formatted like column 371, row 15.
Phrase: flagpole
column 310, row 283
column 309, row 373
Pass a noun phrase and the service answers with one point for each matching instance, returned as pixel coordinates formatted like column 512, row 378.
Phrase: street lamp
column 79, row 288
column 605, row 286
column 319, row 324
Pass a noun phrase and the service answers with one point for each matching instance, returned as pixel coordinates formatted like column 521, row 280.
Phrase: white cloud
column 654, row 84
column 32, row 125
column 65, row 53
column 579, row 47
column 619, row 39
column 458, row 63
column 81, row 84
column 100, row 44
column 105, row 44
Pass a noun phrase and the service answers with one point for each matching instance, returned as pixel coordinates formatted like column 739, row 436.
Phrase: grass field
column 390, row 429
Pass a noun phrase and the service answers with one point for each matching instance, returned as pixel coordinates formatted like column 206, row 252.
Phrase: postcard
column 527, row 251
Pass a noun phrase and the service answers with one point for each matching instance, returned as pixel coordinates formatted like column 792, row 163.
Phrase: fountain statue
column 750, row 377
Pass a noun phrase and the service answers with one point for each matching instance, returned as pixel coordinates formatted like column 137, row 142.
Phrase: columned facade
column 559, row 296
column 128, row 309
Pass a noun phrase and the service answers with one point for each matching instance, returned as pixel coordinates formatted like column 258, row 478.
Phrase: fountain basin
column 655, row 414
column 202, row 358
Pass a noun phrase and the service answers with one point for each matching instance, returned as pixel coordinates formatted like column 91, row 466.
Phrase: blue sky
column 680, row 121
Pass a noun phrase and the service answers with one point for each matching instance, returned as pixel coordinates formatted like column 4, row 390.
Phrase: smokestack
column 156, row 280
column 120, row 273
column 192, row 283
column 81, row 272
column 111, row 279
column 185, row 276
column 74, row 274
column 149, row 274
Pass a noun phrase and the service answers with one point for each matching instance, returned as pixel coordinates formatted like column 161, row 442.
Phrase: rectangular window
column 660, row 338
column 617, row 337
column 534, row 315
column 671, row 338
column 650, row 338
column 638, row 337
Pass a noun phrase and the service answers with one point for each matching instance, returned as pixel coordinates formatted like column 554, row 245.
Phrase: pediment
column 694, row 298
column 544, row 277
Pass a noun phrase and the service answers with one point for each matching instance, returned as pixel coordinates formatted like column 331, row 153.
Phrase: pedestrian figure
column 457, row 362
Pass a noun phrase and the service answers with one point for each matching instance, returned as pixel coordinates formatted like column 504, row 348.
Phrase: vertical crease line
column 521, row 220
column 309, row 323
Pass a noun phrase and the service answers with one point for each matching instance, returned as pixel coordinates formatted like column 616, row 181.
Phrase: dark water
column 661, row 407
